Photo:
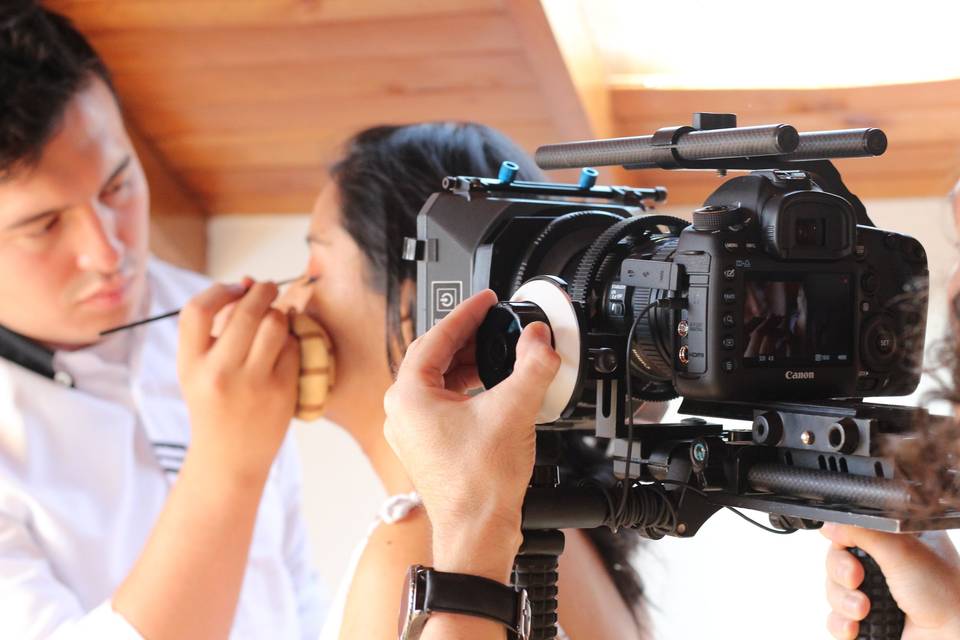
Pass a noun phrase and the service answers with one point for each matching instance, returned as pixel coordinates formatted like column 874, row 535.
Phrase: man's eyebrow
column 52, row 212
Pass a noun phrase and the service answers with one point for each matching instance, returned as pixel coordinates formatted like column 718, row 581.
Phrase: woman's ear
column 398, row 340
column 408, row 302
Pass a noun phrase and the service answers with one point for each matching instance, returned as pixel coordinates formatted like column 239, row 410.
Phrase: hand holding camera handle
column 885, row 620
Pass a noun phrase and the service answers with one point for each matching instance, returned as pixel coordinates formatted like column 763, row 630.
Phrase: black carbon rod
column 829, row 486
column 571, row 508
column 885, row 620
column 640, row 152
column 844, row 143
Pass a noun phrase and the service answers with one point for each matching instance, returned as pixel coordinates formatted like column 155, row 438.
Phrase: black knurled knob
column 714, row 218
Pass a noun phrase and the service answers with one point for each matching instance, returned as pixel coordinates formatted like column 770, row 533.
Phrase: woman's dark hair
column 44, row 62
column 386, row 175
column 383, row 179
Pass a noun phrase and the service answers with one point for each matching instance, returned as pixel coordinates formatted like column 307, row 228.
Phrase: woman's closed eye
column 316, row 240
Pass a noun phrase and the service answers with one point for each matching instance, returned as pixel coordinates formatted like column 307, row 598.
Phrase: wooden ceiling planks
column 145, row 49
column 290, row 82
column 98, row 15
column 923, row 158
column 162, row 119
column 250, row 99
column 295, row 147
column 246, row 101
column 259, row 189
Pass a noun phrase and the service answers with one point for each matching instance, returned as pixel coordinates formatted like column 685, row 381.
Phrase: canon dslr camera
column 785, row 297
column 781, row 288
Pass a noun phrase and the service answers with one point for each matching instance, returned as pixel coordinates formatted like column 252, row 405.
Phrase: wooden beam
column 169, row 195
column 858, row 103
column 924, row 145
column 905, row 171
column 564, row 60
column 178, row 221
column 180, row 240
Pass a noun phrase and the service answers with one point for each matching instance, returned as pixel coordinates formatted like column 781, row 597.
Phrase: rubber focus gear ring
column 589, row 267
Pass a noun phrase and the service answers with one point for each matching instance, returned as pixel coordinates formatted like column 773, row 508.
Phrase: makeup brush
column 171, row 314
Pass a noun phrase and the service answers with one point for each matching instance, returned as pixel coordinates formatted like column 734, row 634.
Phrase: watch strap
column 476, row 596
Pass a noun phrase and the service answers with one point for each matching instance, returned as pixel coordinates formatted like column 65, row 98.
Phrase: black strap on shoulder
column 472, row 595
column 28, row 354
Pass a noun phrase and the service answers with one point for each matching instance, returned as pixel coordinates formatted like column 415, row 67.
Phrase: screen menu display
column 792, row 319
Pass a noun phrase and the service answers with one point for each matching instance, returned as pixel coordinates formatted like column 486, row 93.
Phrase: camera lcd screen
column 797, row 319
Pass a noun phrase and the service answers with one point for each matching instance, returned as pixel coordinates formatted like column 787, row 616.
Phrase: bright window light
column 764, row 44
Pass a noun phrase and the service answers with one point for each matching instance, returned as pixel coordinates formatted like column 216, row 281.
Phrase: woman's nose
column 313, row 268
column 296, row 296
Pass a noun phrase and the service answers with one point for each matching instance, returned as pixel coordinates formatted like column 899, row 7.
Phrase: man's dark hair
column 44, row 63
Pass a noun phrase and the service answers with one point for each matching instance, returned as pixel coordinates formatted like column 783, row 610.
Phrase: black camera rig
column 781, row 305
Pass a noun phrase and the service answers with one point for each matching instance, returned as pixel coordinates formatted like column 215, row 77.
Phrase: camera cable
column 651, row 511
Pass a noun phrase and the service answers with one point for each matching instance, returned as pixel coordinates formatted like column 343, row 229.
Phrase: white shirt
column 85, row 472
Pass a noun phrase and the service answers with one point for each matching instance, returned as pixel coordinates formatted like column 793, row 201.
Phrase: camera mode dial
column 715, row 218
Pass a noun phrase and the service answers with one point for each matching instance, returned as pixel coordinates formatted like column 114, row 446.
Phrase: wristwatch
column 428, row 591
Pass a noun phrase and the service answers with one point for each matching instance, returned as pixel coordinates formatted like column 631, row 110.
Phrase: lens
column 586, row 250
column 808, row 233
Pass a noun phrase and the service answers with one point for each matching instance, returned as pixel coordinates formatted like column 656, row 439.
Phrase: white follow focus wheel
column 547, row 293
